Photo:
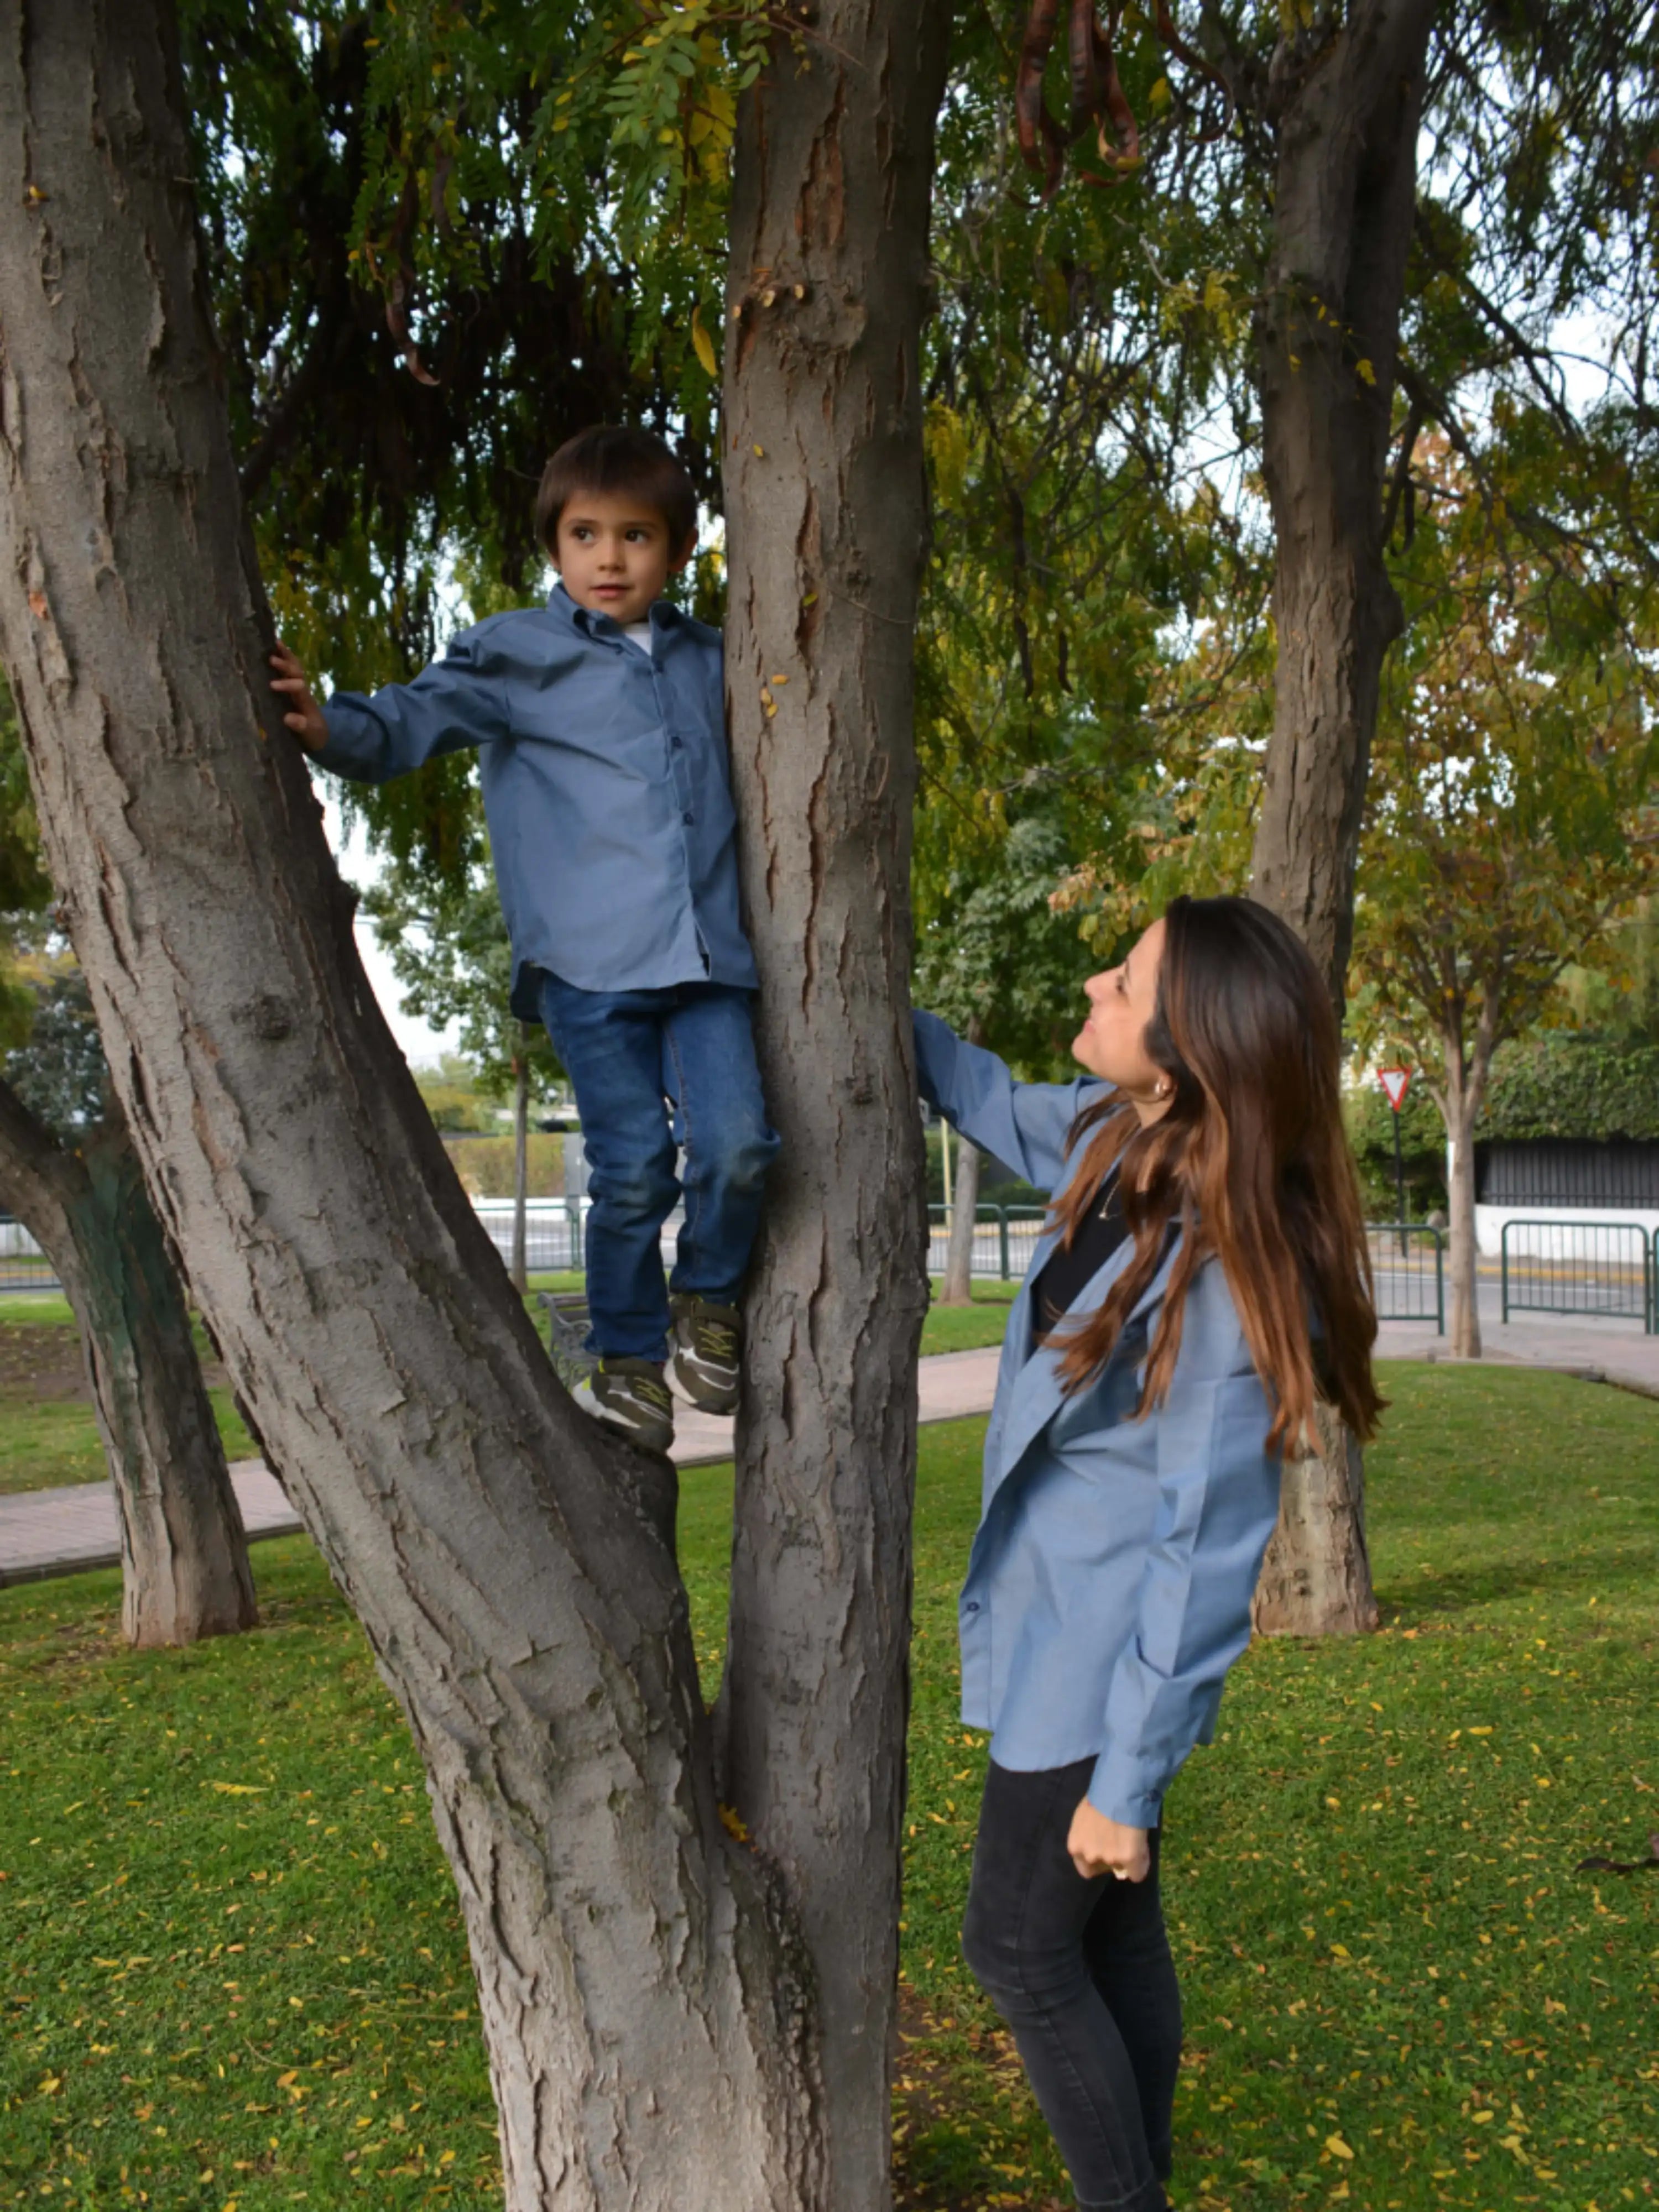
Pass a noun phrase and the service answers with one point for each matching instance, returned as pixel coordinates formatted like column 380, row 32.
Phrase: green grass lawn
column 45, row 1442
column 237, row 1975
column 967, row 1329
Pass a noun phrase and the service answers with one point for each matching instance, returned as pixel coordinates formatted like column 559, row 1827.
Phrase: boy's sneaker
column 630, row 1396
column 707, row 1346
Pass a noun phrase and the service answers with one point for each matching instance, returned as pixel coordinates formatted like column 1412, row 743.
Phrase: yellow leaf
column 760, row 453
column 733, row 1825
column 50, row 2086
column 703, row 345
column 1366, row 371
column 1480, row 2118
column 1337, row 2147
column 239, row 1788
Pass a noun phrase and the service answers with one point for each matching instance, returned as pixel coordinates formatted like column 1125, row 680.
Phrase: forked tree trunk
column 826, row 508
column 958, row 1288
column 185, row 1570
column 1345, row 113
column 677, row 2020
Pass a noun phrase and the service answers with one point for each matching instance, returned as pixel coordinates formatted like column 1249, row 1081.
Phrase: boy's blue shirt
column 606, row 787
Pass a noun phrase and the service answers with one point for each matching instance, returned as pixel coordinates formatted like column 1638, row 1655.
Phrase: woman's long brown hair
column 1249, row 1160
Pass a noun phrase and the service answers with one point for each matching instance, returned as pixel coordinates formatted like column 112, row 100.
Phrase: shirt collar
column 662, row 614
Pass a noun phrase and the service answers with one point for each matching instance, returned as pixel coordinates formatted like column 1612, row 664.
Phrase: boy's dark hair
column 611, row 459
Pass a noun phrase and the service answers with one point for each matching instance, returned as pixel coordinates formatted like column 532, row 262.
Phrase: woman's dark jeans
column 1082, row 1973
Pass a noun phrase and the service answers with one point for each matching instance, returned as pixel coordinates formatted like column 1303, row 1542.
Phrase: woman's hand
column 1099, row 1845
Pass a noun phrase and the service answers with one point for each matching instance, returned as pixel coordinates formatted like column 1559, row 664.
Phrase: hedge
column 1565, row 1083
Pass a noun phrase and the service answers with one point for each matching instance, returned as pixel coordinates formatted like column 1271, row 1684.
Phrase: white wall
column 1559, row 1243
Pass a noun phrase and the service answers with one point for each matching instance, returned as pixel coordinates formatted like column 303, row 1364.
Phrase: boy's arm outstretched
column 451, row 705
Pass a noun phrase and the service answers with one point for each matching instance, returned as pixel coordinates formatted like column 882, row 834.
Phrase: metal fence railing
column 1408, row 1272
column 1004, row 1237
column 23, row 1265
column 1589, row 1269
column 1596, row 1269
column 552, row 1232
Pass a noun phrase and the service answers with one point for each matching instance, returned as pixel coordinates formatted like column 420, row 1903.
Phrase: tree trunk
column 957, row 1289
column 1326, row 335
column 1317, row 1576
column 521, row 1168
column 1345, row 113
column 651, row 2012
column 826, row 509
column 1464, row 1082
column 184, row 1571
column 1463, row 1323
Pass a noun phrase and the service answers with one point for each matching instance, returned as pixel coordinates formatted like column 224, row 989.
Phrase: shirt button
column 972, row 1606
column 675, row 742
column 690, row 817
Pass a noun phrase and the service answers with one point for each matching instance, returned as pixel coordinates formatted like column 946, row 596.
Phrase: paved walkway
column 64, row 1532
column 1613, row 1352
column 67, row 1531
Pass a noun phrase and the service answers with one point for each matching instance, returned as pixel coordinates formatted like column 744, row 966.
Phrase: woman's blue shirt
column 1110, row 1586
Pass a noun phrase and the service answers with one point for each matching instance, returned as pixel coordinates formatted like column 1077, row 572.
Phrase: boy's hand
column 306, row 719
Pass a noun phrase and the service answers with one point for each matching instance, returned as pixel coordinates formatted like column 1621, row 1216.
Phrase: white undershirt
column 638, row 633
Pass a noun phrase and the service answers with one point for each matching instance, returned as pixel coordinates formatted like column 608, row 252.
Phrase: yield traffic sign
column 1396, row 1081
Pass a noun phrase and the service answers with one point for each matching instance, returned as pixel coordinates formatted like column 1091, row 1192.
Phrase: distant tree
column 1511, row 817
column 996, row 960
column 448, row 946
column 68, row 1171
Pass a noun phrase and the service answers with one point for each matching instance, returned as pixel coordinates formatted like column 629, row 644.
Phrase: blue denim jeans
column 655, row 1072
column 1082, row 1973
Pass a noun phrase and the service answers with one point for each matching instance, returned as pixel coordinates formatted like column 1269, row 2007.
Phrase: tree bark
column 651, row 2011
column 1317, row 1576
column 958, row 1288
column 1463, row 1091
column 1345, row 115
column 184, row 1571
column 826, row 508
column 520, row 1271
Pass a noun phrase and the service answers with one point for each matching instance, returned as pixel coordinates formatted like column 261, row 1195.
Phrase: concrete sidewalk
column 64, row 1532
column 1614, row 1352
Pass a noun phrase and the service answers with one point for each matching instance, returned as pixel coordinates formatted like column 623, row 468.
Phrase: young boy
column 600, row 723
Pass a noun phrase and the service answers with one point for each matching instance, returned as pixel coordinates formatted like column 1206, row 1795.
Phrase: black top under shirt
column 1071, row 1268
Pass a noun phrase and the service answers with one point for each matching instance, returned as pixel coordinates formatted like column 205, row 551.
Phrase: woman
column 1204, row 1256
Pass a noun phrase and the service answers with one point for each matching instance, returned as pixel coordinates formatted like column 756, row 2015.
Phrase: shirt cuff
column 1119, row 1792
column 352, row 734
